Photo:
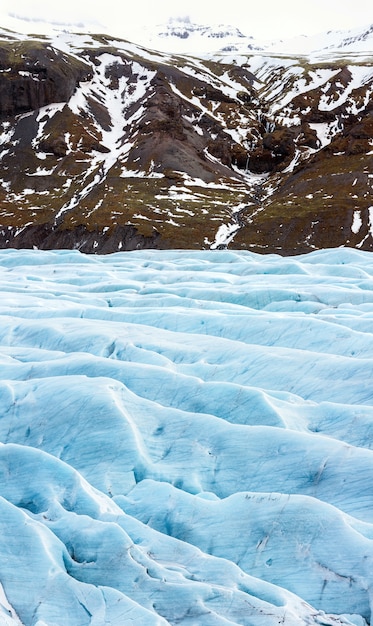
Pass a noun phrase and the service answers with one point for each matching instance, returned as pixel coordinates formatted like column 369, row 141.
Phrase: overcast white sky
column 269, row 19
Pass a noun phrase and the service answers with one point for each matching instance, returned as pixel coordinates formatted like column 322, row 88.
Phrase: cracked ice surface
column 186, row 438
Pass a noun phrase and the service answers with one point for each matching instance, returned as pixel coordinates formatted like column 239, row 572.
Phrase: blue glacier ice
column 186, row 438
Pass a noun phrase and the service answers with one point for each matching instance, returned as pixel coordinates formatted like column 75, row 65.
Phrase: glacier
column 186, row 438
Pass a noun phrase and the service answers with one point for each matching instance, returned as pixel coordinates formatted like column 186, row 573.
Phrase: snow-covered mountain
column 181, row 35
column 186, row 438
column 108, row 145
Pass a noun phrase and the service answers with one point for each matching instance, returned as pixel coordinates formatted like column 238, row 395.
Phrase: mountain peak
column 181, row 34
column 183, row 28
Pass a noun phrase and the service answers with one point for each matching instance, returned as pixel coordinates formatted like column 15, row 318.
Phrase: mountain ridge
column 182, row 35
column 122, row 146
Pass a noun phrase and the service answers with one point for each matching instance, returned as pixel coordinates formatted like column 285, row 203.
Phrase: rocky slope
column 106, row 145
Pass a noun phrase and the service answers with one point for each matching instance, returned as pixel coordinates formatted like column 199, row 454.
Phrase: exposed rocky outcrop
column 34, row 74
column 277, row 148
column 97, row 241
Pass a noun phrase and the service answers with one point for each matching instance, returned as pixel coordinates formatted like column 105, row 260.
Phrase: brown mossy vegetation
column 313, row 207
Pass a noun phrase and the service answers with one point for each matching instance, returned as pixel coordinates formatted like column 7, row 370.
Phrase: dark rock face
column 169, row 140
column 98, row 241
column 33, row 75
